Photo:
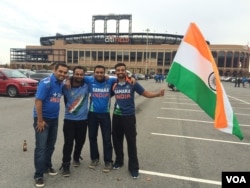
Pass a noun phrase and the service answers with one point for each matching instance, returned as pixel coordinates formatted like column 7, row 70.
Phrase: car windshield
column 14, row 73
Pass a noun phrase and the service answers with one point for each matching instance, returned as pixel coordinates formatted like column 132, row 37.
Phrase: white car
column 112, row 72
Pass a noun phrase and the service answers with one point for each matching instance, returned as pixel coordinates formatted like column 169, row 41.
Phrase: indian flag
column 195, row 74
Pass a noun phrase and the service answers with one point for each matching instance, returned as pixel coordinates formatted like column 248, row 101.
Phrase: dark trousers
column 94, row 120
column 73, row 131
column 125, row 125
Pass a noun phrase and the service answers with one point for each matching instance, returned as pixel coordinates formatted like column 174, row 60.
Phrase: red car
column 14, row 83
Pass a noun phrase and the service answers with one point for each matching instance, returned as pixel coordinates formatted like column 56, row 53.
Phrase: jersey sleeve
column 138, row 88
column 42, row 90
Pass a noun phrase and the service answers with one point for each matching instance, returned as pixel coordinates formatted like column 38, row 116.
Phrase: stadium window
column 113, row 56
column 100, row 55
column 132, row 56
column 236, row 59
column 81, row 55
column 160, row 59
column 229, row 59
column 221, row 58
column 69, row 56
column 106, row 55
column 139, row 57
column 125, row 56
column 94, row 55
column 119, row 56
column 75, row 57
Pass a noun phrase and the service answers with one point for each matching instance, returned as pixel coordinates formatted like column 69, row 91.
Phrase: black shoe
column 39, row 182
column 66, row 172
column 134, row 174
column 117, row 166
column 51, row 171
column 94, row 163
column 108, row 167
column 65, row 169
column 76, row 163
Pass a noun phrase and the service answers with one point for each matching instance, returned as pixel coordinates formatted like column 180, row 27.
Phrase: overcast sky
column 23, row 22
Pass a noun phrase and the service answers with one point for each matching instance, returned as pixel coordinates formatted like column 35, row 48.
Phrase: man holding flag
column 195, row 64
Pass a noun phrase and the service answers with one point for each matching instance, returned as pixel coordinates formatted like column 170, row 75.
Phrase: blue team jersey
column 124, row 97
column 49, row 91
column 100, row 94
column 76, row 99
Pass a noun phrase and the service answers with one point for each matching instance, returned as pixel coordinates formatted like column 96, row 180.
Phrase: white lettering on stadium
column 113, row 39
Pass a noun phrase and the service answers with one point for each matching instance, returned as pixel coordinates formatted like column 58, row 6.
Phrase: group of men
column 78, row 117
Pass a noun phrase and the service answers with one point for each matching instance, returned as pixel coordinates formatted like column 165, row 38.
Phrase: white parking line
column 196, row 110
column 182, row 103
column 178, row 119
column 181, row 177
column 197, row 138
column 181, row 109
column 11, row 99
column 179, row 98
column 238, row 99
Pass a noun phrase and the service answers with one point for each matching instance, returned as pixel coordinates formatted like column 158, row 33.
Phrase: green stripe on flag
column 192, row 86
column 236, row 128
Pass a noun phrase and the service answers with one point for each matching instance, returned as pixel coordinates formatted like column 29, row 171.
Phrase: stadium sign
column 113, row 39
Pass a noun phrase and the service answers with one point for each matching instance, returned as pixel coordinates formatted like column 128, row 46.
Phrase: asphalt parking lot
column 177, row 145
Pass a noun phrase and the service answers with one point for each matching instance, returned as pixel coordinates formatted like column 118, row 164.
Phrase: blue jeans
column 104, row 120
column 45, row 145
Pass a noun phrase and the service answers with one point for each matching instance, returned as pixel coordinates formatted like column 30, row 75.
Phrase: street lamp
column 146, row 66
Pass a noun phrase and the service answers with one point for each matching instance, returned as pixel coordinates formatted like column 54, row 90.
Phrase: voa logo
column 236, row 179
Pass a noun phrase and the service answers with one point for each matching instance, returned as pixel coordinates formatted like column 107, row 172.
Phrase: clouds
column 24, row 22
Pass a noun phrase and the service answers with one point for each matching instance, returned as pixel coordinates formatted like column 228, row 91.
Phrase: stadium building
column 144, row 52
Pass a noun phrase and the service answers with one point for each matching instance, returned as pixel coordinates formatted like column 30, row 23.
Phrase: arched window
column 221, row 58
column 229, row 59
column 236, row 60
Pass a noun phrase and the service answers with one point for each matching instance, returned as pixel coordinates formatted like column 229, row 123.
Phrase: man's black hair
column 120, row 64
column 79, row 67
column 99, row 66
column 61, row 64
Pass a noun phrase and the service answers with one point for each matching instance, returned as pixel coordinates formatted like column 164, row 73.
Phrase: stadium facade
column 142, row 52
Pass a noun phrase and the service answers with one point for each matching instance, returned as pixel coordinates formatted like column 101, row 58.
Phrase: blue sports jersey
column 76, row 98
column 49, row 91
column 100, row 94
column 125, row 95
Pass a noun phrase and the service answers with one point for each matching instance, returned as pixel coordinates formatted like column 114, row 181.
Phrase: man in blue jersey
column 46, row 112
column 75, row 119
column 124, row 120
column 99, row 115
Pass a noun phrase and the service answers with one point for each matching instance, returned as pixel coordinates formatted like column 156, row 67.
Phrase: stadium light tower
column 146, row 66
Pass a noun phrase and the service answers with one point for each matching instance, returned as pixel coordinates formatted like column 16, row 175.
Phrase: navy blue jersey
column 125, row 94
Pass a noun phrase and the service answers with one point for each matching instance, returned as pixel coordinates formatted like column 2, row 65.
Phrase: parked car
column 40, row 75
column 44, row 71
column 89, row 73
column 112, row 72
column 171, row 86
column 70, row 73
column 26, row 72
column 139, row 76
column 14, row 83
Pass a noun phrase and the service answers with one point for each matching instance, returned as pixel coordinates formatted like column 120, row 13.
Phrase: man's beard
column 77, row 80
column 121, row 76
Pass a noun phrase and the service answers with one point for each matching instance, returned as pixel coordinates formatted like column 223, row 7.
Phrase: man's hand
column 67, row 84
column 41, row 126
column 133, row 80
column 162, row 92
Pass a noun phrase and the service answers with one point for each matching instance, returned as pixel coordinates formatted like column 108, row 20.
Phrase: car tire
column 12, row 91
